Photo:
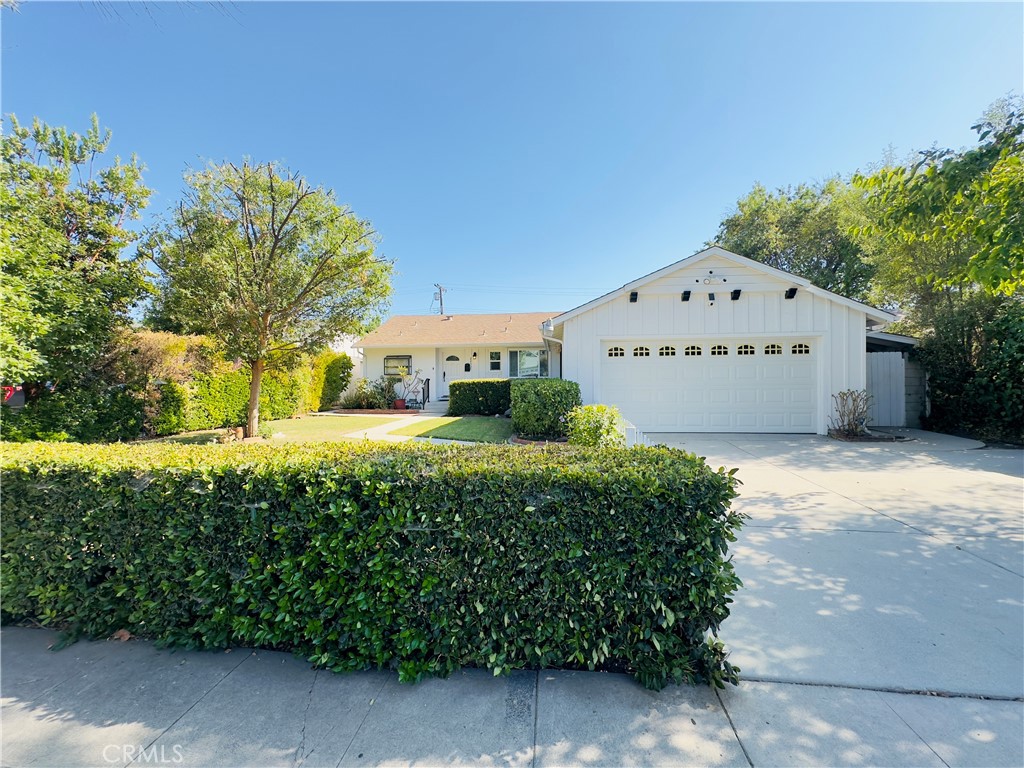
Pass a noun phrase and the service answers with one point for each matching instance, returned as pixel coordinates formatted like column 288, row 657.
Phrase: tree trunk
column 252, row 421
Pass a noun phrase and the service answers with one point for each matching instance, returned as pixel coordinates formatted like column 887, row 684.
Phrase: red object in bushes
column 399, row 405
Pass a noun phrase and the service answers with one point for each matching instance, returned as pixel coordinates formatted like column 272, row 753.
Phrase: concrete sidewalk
column 112, row 703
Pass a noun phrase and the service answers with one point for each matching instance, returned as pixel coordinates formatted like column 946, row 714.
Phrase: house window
column 527, row 363
column 667, row 352
column 719, row 350
column 801, row 349
column 773, row 349
column 641, row 352
column 495, row 361
column 394, row 363
column 692, row 351
column 745, row 349
column 616, row 352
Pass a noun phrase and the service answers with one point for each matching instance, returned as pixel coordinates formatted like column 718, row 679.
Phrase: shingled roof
column 457, row 330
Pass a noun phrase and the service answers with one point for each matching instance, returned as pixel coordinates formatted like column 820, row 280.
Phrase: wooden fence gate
column 887, row 387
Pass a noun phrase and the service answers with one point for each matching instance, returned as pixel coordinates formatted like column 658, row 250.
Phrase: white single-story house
column 715, row 342
column 445, row 348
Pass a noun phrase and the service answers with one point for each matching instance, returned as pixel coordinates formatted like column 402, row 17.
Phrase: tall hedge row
column 421, row 558
column 486, row 397
column 208, row 401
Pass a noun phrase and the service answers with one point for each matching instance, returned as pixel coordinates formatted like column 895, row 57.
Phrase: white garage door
column 718, row 385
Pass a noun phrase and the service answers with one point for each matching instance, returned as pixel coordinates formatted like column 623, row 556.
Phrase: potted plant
column 408, row 385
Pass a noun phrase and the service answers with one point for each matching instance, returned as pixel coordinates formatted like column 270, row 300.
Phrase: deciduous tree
column 268, row 264
column 804, row 231
column 967, row 203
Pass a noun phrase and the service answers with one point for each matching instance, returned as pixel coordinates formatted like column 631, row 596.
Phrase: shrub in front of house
column 371, row 394
column 540, row 406
column 485, row 397
column 419, row 558
column 595, row 426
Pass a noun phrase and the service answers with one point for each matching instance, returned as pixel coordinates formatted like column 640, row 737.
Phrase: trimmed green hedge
column 333, row 381
column 420, row 558
column 540, row 407
column 486, row 397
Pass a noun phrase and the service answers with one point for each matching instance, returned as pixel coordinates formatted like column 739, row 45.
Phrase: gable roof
column 458, row 330
column 715, row 250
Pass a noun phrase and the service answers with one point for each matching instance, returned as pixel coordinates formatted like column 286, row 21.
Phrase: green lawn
column 476, row 429
column 313, row 428
column 306, row 429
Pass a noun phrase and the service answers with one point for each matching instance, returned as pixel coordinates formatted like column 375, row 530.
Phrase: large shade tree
column 966, row 205
column 268, row 264
column 802, row 230
column 68, row 280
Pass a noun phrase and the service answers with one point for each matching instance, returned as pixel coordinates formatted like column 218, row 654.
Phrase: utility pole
column 439, row 296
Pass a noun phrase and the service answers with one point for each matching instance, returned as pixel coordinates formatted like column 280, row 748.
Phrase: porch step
column 435, row 406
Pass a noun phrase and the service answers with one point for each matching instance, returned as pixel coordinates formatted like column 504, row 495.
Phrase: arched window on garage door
column 641, row 352
column 719, row 350
column 773, row 349
column 667, row 352
column 801, row 349
column 692, row 351
column 745, row 349
column 616, row 352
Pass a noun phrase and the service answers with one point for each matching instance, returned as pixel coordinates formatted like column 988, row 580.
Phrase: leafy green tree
column 268, row 265
column 804, row 231
column 67, row 283
column 967, row 203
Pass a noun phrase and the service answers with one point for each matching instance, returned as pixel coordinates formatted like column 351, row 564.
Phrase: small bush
column 420, row 558
column 595, row 426
column 486, row 397
column 540, row 406
column 851, row 406
column 378, row 394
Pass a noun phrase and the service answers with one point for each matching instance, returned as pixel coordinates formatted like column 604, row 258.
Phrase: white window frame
column 543, row 363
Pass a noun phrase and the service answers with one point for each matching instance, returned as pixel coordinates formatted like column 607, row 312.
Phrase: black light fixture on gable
column 632, row 297
column 685, row 296
column 790, row 293
column 735, row 295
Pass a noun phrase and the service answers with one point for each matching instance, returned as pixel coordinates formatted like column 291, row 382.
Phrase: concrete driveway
column 877, row 565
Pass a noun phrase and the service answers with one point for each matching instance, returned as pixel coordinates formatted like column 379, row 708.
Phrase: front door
column 452, row 368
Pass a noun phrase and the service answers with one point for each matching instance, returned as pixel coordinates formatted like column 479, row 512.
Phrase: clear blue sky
column 527, row 156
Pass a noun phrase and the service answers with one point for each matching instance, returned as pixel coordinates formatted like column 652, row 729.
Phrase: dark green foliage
column 974, row 360
column 420, row 558
column 479, row 396
column 88, row 414
column 803, row 231
column 336, row 377
column 540, row 406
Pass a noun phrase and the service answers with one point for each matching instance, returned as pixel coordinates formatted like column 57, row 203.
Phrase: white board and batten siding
column 758, row 391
